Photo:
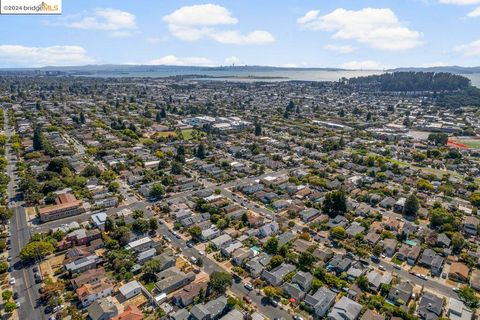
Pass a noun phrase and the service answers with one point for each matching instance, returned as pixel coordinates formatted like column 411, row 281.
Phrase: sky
column 352, row 34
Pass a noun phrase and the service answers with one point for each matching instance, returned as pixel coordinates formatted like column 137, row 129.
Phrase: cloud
column 196, row 22
column 234, row 37
column 155, row 40
column 378, row 28
column 474, row 13
column 118, row 23
column 232, row 60
column 460, row 2
column 182, row 61
column 339, row 49
column 44, row 56
column 365, row 65
column 470, row 49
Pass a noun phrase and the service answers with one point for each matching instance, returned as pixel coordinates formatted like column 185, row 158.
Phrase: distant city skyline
column 347, row 34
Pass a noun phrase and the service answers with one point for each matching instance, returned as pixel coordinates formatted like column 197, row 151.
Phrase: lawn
column 187, row 134
column 150, row 286
column 165, row 134
column 396, row 260
column 472, row 144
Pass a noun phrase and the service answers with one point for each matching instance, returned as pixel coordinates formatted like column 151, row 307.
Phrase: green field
column 472, row 144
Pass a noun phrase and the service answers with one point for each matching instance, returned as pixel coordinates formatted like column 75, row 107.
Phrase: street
column 19, row 237
column 237, row 288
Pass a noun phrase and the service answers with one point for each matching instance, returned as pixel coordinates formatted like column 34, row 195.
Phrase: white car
column 381, row 268
column 18, row 304
column 201, row 253
column 12, row 281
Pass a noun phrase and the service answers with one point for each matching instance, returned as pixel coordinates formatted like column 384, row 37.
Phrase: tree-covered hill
column 413, row 81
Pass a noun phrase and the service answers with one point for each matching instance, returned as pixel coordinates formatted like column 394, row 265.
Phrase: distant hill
column 449, row 69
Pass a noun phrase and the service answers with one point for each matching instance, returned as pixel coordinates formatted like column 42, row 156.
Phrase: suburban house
column 345, row 309
column 275, row 276
column 321, row 301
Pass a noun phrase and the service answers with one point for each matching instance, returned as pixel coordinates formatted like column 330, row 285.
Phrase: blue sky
column 341, row 33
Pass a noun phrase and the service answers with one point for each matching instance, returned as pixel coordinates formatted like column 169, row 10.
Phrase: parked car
column 247, row 299
column 12, row 281
column 248, row 286
column 381, row 267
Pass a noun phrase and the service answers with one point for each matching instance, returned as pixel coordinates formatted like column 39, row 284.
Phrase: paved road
column 20, row 235
column 238, row 289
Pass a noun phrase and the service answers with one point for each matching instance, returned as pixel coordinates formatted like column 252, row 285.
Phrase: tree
column 5, row 214
column 150, row 269
column 195, row 232
column 369, row 116
column 305, row 261
column 109, row 224
column 122, row 235
column 469, row 296
column 411, row 205
column 177, row 168
column 220, row 281
column 36, row 250
column 153, row 224
column 475, row 199
column 6, row 295
column 37, row 139
column 338, row 232
column 82, row 117
column 272, row 292
column 276, row 261
column 271, row 246
column 158, row 117
column 438, row 138
column 163, row 113
column 362, row 283
column 156, row 190
column 201, row 151
column 9, row 306
column 3, row 267
column 377, row 250
column 258, row 129
column 91, row 171
column 335, row 203
column 458, row 241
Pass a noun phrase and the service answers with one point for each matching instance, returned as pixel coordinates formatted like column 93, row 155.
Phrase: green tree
column 220, row 281
column 469, row 296
column 153, row 224
column 458, row 241
column 195, row 232
column 177, row 167
column 6, row 295
column 150, row 269
column 9, row 306
column 271, row 246
column 258, row 129
column 276, row 261
column 362, row 283
column 91, row 171
column 411, row 205
column 156, row 191
column 201, row 151
column 36, row 250
column 438, row 138
column 338, row 232
column 335, row 203
column 3, row 267
column 475, row 199
column 5, row 214
column 122, row 235
column 305, row 261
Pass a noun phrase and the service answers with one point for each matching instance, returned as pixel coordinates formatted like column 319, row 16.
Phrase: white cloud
column 234, row 37
column 469, row 49
column 378, row 28
column 232, row 60
column 196, row 22
column 339, row 49
column 118, row 23
column 200, row 15
column 182, row 61
column 365, row 65
column 474, row 13
column 44, row 56
column 460, row 2
column 155, row 40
